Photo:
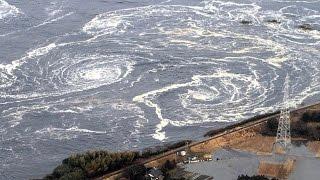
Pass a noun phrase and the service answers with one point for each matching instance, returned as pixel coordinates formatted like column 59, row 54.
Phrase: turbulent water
column 77, row 75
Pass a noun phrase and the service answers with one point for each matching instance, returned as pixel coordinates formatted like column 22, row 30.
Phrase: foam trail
column 31, row 54
column 53, row 20
column 76, row 129
column 144, row 98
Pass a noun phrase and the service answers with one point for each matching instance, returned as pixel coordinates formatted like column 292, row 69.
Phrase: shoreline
column 240, row 129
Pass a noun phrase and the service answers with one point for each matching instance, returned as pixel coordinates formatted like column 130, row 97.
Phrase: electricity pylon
column 283, row 138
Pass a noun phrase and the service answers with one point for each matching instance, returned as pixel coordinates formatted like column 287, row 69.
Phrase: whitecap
column 7, row 10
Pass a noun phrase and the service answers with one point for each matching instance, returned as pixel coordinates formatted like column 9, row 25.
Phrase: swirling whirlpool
column 59, row 72
column 159, row 72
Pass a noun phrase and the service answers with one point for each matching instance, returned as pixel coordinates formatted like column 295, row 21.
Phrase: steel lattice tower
column 283, row 133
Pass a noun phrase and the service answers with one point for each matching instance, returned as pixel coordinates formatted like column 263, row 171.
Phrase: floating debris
column 245, row 22
column 306, row 27
column 273, row 21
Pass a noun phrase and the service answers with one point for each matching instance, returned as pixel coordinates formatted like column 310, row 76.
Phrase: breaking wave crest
column 7, row 10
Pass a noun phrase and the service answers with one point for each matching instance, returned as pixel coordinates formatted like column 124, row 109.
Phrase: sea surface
column 127, row 74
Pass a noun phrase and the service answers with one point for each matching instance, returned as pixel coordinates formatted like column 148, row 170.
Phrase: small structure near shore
column 207, row 157
column 193, row 159
column 155, row 174
column 247, row 146
column 182, row 153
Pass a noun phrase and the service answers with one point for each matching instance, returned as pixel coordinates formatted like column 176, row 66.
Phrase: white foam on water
column 233, row 88
column 204, row 95
column 8, row 68
column 64, row 111
column 100, row 24
column 146, row 98
column 54, row 8
column 140, row 119
column 40, row 51
column 215, row 88
column 64, row 133
column 121, row 21
column 7, row 10
column 96, row 70
column 55, row 133
column 77, row 129
column 49, row 21
column 193, row 18
column 67, row 74
column 190, row 27
column 297, row 1
column 96, row 74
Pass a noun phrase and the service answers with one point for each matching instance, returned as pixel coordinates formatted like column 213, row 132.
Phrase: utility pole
column 283, row 138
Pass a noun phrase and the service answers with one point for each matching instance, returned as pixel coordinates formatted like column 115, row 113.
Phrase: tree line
column 307, row 127
column 99, row 162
